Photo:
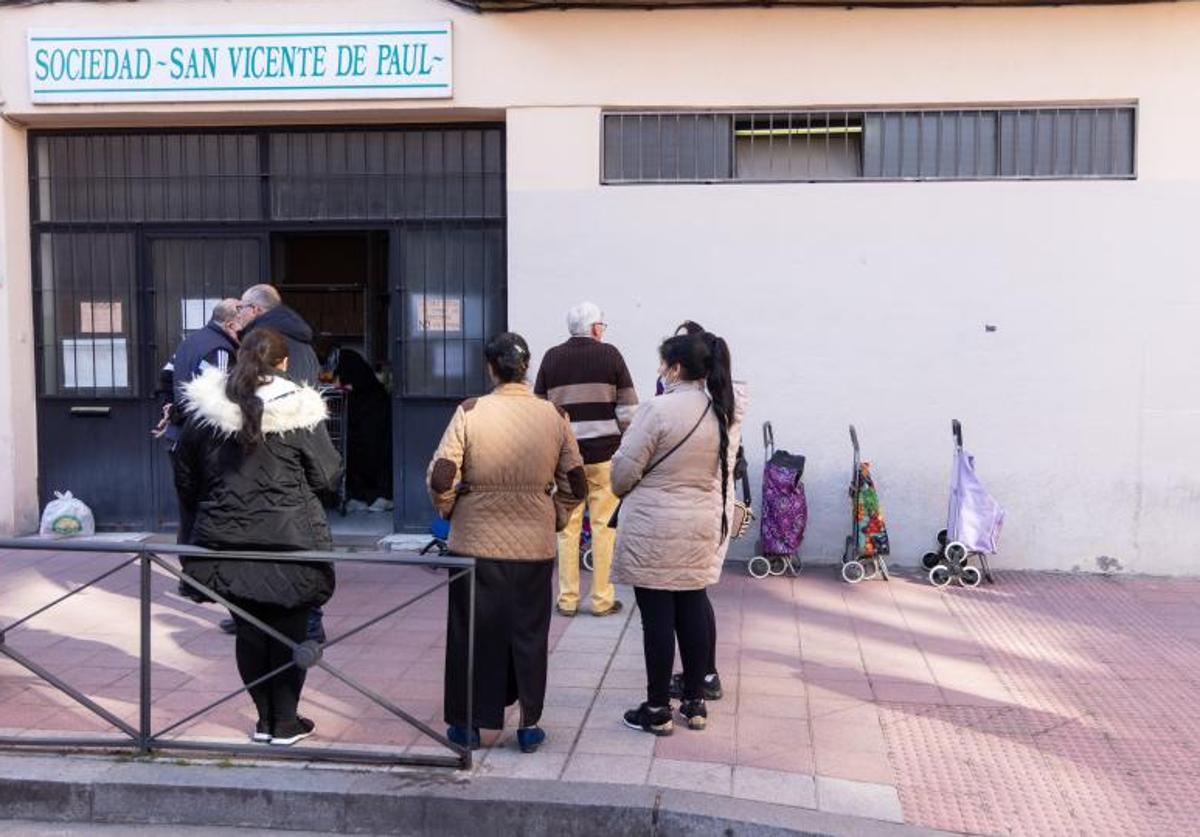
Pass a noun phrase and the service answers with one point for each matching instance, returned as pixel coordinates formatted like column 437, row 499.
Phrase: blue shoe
column 530, row 738
column 458, row 735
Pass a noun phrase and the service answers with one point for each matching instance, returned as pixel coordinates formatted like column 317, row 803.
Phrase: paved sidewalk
column 1046, row 704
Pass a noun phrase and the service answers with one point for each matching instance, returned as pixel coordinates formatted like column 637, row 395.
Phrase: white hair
column 582, row 317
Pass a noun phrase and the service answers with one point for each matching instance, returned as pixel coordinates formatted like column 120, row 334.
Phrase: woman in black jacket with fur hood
column 253, row 457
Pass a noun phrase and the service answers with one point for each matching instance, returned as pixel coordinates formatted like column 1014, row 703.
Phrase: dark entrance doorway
column 389, row 240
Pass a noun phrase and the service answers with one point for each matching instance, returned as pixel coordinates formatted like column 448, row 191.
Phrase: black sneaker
column 655, row 721
column 262, row 733
column 712, row 687
column 289, row 732
column 695, row 712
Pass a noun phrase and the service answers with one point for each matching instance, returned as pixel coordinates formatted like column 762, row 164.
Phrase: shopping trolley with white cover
column 973, row 523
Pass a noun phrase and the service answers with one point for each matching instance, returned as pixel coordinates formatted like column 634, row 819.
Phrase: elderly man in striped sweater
column 588, row 378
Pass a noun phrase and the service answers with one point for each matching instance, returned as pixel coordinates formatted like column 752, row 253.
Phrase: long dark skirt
column 512, row 629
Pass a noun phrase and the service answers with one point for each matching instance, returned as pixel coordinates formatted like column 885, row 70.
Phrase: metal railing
column 144, row 739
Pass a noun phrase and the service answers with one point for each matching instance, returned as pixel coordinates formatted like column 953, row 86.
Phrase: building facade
column 896, row 217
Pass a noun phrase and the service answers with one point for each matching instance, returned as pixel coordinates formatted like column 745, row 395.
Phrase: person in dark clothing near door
column 213, row 346
column 262, row 307
column 253, row 457
column 369, row 432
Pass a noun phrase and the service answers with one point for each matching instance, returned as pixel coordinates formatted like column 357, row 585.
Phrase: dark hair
column 261, row 351
column 703, row 355
column 689, row 327
column 508, row 356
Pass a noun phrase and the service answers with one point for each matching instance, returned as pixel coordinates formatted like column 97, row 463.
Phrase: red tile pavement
column 1047, row 704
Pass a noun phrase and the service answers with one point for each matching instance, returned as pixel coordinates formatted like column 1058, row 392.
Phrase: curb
column 396, row 801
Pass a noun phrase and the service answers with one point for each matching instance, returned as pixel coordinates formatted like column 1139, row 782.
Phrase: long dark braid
column 720, row 389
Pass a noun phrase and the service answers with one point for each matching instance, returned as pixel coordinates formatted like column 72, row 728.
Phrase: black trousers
column 259, row 654
column 513, row 601
column 668, row 615
column 712, row 635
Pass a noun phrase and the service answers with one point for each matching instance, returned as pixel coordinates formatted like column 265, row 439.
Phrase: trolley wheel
column 930, row 560
column 793, row 565
column 758, row 567
column 956, row 553
column 585, row 558
column 939, row 576
column 971, row 576
column 853, row 572
column 779, row 564
column 870, row 568
column 943, row 537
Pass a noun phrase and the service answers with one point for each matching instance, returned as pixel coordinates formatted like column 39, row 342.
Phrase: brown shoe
column 562, row 611
column 616, row 608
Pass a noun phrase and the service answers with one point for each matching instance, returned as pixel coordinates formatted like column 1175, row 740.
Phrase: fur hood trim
column 286, row 406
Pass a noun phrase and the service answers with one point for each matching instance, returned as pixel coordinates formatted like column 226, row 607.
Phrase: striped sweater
column 590, row 381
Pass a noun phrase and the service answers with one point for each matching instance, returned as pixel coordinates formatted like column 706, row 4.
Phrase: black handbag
column 612, row 521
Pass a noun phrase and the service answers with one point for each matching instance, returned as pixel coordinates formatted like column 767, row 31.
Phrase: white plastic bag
column 65, row 515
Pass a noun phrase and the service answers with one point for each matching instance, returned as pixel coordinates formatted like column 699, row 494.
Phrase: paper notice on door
column 438, row 313
column 100, row 318
column 89, row 363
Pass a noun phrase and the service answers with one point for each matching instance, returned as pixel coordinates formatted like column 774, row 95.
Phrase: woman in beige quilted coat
column 507, row 475
column 673, row 473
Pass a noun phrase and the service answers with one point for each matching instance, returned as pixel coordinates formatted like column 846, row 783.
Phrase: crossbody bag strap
column 678, row 444
column 612, row 521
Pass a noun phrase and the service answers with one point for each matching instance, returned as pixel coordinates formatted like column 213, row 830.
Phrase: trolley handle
column 956, row 428
column 854, row 440
column 768, row 439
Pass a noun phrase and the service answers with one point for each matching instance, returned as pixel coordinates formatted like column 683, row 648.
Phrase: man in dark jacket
column 214, row 345
column 262, row 306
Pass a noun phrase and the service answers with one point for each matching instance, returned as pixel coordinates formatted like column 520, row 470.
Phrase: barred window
column 1051, row 143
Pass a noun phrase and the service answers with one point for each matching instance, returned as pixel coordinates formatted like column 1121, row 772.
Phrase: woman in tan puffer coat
column 507, row 475
column 673, row 472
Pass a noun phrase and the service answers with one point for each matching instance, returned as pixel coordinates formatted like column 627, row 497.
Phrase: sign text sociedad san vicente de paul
column 401, row 61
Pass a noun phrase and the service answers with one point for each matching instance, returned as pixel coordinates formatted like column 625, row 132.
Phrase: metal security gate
column 136, row 234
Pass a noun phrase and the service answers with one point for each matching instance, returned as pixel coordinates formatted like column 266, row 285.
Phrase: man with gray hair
column 214, row 345
column 262, row 307
column 589, row 380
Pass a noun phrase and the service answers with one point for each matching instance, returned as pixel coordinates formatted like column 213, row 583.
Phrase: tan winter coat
column 507, row 475
column 669, row 532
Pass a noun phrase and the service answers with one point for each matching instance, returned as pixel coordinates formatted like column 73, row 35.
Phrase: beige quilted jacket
column 507, row 475
column 669, row 537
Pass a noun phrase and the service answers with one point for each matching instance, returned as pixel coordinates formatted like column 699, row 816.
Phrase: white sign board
column 403, row 61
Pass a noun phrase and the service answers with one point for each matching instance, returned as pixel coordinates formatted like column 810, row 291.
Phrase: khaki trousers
column 600, row 503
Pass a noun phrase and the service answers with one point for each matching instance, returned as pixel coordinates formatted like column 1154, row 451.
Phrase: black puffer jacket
column 303, row 366
column 264, row 498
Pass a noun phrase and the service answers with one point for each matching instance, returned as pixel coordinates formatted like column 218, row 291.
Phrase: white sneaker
column 381, row 504
column 356, row 506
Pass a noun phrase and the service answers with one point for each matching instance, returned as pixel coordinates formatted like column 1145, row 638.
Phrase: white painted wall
column 866, row 303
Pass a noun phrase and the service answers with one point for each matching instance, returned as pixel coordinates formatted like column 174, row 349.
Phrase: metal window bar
column 144, row 739
column 926, row 144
